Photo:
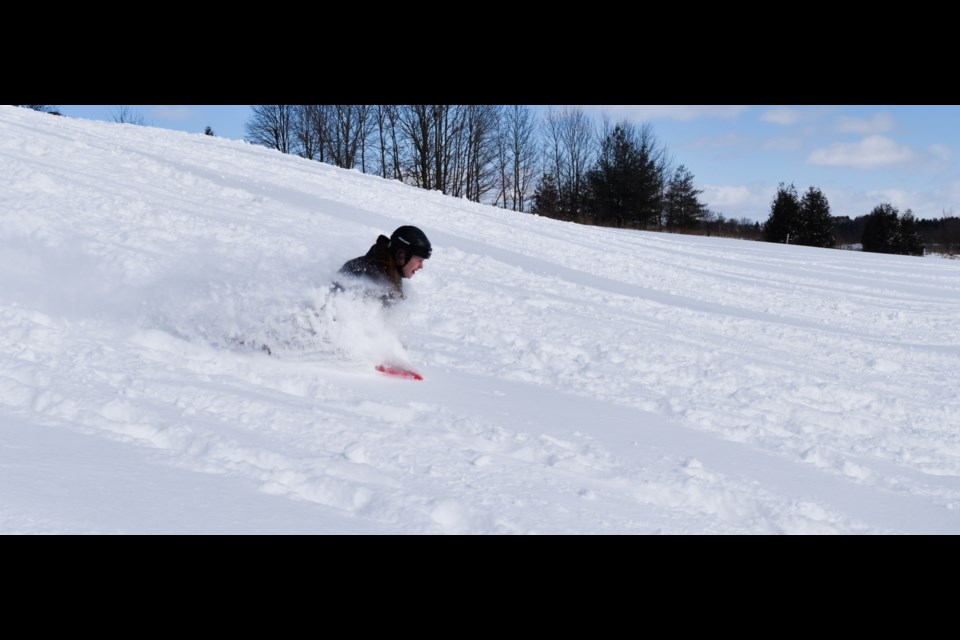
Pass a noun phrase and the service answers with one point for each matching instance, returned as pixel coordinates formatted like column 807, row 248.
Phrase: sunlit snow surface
column 577, row 379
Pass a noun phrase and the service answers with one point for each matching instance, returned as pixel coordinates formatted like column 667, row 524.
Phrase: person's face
column 411, row 266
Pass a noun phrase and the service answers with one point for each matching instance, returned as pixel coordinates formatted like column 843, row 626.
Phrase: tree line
column 940, row 235
column 630, row 180
column 479, row 152
column 558, row 165
column 807, row 221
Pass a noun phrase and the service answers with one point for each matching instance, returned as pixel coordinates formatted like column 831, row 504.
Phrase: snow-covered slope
column 578, row 379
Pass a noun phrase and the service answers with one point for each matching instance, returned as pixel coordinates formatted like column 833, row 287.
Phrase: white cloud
column 784, row 116
column 673, row 112
column 897, row 197
column 872, row 151
column 728, row 196
column 877, row 124
column 941, row 151
column 739, row 201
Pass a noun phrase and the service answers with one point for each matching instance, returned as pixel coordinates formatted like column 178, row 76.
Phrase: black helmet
column 411, row 240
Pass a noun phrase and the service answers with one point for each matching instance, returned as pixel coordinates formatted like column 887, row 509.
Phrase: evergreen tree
column 815, row 228
column 614, row 182
column 881, row 230
column 783, row 223
column 682, row 208
column 909, row 241
column 653, row 177
column 626, row 183
column 546, row 197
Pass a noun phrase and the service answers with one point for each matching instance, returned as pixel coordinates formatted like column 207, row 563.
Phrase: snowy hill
column 578, row 379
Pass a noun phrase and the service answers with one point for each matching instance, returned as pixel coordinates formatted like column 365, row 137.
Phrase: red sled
column 398, row 372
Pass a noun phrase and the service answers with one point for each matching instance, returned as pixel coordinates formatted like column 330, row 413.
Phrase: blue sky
column 859, row 156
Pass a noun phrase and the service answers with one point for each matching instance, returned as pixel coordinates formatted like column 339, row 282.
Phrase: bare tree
column 321, row 121
column 456, row 154
column 553, row 157
column 431, row 131
column 469, row 168
column 349, row 131
column 384, row 120
column 570, row 147
column 480, row 125
column 308, row 141
column 450, row 148
column 520, row 127
column 415, row 126
column 447, row 132
column 579, row 143
column 504, row 174
column 272, row 125
column 126, row 114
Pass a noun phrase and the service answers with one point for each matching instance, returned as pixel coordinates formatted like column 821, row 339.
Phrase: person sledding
column 380, row 274
column 388, row 262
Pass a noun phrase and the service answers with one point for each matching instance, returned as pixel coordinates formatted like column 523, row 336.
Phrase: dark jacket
column 379, row 269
